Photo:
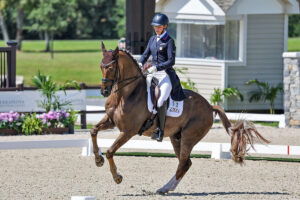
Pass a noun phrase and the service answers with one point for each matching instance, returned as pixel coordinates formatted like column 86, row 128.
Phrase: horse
column 124, row 84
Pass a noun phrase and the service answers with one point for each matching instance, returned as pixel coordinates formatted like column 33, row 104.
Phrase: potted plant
column 216, row 98
column 11, row 123
column 49, row 90
column 265, row 92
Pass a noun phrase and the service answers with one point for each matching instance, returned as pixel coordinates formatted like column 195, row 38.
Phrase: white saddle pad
column 175, row 107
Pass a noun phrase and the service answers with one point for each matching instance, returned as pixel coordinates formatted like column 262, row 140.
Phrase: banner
column 30, row 101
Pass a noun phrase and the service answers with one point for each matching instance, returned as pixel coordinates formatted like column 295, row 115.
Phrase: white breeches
column 165, row 87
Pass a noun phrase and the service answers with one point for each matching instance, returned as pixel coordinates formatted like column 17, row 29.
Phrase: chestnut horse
column 126, row 108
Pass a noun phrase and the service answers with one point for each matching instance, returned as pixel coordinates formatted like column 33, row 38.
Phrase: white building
column 225, row 43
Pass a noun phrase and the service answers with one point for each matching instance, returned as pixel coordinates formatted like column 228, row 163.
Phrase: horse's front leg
column 104, row 124
column 122, row 139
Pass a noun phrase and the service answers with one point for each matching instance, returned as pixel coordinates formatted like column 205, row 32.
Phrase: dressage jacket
column 163, row 57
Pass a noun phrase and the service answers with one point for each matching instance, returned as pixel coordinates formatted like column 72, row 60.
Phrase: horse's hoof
column 118, row 179
column 161, row 191
column 99, row 161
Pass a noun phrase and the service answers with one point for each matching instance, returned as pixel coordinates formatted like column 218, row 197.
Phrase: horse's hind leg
column 182, row 148
column 104, row 124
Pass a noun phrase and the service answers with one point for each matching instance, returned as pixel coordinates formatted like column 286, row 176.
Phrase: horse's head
column 109, row 68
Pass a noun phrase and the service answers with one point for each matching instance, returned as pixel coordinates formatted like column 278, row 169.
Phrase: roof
column 225, row 4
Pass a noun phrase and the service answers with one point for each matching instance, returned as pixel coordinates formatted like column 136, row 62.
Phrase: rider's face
column 159, row 29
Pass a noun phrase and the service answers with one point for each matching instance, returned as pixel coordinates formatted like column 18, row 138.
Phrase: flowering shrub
column 11, row 120
column 54, row 119
column 34, row 123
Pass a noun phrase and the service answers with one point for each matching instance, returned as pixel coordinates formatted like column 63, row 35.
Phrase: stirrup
column 160, row 136
column 155, row 135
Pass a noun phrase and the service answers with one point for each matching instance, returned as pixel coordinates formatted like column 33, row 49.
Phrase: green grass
column 272, row 124
column 73, row 59
column 88, row 126
column 294, row 44
column 171, row 155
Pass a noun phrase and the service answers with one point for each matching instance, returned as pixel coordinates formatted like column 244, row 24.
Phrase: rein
column 116, row 81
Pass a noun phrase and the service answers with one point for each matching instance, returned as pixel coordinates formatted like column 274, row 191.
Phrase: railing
column 8, row 65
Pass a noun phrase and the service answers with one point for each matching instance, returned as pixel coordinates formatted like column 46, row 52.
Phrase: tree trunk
column 3, row 28
column 20, row 19
column 52, row 46
column 47, row 41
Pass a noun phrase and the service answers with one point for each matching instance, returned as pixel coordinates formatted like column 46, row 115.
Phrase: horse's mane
column 133, row 59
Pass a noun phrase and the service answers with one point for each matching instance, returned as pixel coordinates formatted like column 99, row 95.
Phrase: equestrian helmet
column 160, row 19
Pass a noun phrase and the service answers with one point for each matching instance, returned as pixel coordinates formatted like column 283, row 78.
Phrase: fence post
column 83, row 119
column 11, row 67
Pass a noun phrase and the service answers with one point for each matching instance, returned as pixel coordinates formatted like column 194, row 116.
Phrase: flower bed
column 53, row 122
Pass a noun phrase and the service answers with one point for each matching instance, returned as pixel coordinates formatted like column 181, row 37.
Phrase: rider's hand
column 152, row 69
column 140, row 65
column 146, row 66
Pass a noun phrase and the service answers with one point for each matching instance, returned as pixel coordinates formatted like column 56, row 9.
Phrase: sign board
column 30, row 101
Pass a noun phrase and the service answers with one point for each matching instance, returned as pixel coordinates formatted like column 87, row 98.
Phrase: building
column 225, row 43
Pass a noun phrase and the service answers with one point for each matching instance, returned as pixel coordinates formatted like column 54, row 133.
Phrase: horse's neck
column 128, row 69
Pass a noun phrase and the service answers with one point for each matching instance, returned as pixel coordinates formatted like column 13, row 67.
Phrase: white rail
column 218, row 150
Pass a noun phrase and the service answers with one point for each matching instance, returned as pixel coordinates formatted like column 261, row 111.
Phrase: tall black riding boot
column 161, row 116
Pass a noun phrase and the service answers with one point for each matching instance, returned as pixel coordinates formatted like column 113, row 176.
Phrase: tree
column 2, row 22
column 52, row 17
column 264, row 92
column 294, row 25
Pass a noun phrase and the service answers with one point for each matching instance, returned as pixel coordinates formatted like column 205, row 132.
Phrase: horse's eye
column 110, row 69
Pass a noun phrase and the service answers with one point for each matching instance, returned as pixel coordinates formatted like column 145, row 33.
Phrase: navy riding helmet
column 160, row 19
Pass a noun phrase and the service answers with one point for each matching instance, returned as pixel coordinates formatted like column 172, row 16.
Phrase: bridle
column 115, row 81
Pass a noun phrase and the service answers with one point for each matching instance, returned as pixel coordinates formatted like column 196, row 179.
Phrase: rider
column 162, row 48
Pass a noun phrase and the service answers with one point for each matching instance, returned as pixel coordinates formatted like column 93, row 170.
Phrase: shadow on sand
column 203, row 194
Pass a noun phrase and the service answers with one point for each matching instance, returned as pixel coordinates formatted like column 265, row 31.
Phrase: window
column 217, row 42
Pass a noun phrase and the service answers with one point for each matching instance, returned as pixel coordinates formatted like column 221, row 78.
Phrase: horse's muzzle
column 106, row 92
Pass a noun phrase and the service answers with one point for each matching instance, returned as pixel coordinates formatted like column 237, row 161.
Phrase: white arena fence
column 218, row 150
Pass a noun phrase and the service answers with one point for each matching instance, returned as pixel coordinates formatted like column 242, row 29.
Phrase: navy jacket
column 163, row 56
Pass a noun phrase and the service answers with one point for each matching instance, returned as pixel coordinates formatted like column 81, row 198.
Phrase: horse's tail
column 242, row 133
column 225, row 121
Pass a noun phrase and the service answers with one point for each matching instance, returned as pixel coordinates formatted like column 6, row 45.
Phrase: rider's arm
column 171, row 57
column 146, row 53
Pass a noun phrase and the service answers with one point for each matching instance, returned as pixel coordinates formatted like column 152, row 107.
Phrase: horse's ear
column 103, row 47
column 116, row 52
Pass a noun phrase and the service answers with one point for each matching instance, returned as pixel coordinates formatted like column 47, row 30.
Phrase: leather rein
column 115, row 81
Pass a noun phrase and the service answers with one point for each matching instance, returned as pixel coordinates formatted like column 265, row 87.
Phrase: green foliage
column 52, row 16
column 32, row 125
column 264, row 92
column 49, row 89
column 189, row 84
column 216, row 97
column 294, row 26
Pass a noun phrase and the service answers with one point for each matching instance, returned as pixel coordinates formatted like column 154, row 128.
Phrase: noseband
column 115, row 81
column 106, row 80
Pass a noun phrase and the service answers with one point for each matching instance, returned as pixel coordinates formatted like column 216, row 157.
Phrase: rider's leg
column 165, row 90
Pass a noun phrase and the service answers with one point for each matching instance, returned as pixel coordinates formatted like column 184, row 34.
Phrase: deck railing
column 8, row 65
